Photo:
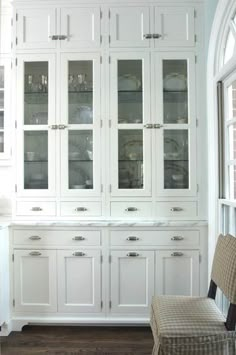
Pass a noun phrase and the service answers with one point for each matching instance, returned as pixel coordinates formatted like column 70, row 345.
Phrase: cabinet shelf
column 131, row 160
column 80, row 160
column 36, row 161
column 36, row 93
column 90, row 92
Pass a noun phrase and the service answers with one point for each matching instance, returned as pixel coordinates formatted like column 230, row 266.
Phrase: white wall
column 210, row 7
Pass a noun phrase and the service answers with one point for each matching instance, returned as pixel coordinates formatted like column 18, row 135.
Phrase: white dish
column 175, row 82
column 128, row 82
column 78, row 186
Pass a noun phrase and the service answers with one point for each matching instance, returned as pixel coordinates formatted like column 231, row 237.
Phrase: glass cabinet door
column 177, row 124
column 129, row 111
column 80, row 108
column 38, row 125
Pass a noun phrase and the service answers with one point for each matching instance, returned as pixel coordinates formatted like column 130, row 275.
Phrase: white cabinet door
column 128, row 26
column 35, row 281
column 79, row 281
column 174, row 26
column 177, row 272
column 81, row 26
column 80, row 115
column 4, row 276
column 5, row 108
column 35, row 27
column 131, row 281
column 6, row 31
column 130, row 154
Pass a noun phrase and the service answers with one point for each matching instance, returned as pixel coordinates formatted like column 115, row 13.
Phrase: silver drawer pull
column 79, row 237
column 62, row 37
column 148, row 125
column 157, row 125
column 54, row 37
column 176, row 237
column 132, row 238
column 81, row 209
column 147, row 36
column 36, row 209
column 156, row 35
column 78, row 253
column 35, row 237
column 177, row 253
column 62, row 126
column 53, row 126
column 131, row 209
column 35, row 253
column 176, row 209
column 133, row 254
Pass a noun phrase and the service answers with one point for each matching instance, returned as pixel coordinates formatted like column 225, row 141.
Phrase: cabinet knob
column 62, row 37
column 177, row 253
column 131, row 209
column 176, row 237
column 132, row 238
column 81, row 209
column 54, row 37
column 78, row 253
column 147, row 36
column 176, row 209
column 36, row 209
column 35, row 253
column 148, row 125
column 34, row 237
column 78, row 238
column 133, row 255
column 62, row 126
column 156, row 35
column 53, row 126
column 157, row 125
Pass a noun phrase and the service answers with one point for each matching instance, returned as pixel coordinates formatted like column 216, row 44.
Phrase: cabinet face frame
column 7, row 124
column 95, row 127
column 115, row 126
column 158, row 117
column 21, row 128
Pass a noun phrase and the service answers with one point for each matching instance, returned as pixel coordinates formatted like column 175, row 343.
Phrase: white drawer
column 40, row 237
column 35, row 208
column 131, row 209
column 159, row 238
column 176, row 209
column 81, row 208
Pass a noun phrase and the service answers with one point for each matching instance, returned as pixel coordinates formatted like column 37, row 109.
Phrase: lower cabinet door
column 35, row 281
column 79, row 281
column 177, row 272
column 131, row 281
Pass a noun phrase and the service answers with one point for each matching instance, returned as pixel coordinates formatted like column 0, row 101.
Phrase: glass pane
column 1, row 77
column 80, row 92
column 232, row 141
column 130, row 93
column 175, row 91
column 1, row 142
column 232, row 101
column 176, row 159
column 232, row 182
column 1, row 119
column 80, row 159
column 36, row 160
column 1, row 100
column 130, row 165
column 36, row 93
column 229, row 49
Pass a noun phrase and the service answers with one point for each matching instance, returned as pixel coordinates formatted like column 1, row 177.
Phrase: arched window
column 230, row 43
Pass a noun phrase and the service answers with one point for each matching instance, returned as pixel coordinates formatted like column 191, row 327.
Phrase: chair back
column 224, row 266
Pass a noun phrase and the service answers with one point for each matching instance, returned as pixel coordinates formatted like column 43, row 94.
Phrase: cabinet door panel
column 132, row 281
column 177, row 272
column 79, row 281
column 35, row 280
column 81, row 26
column 128, row 26
column 175, row 25
column 35, row 28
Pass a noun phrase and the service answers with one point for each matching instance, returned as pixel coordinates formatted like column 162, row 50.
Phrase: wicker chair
column 184, row 325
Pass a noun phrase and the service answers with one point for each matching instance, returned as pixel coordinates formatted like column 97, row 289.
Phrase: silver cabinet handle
column 177, row 253
column 35, row 253
column 54, row 37
column 148, row 125
column 133, row 254
column 62, row 37
column 157, row 125
column 176, row 237
column 176, row 209
column 156, row 35
column 62, row 126
column 34, row 237
column 131, row 209
column 132, row 238
column 78, row 253
column 78, row 238
column 147, row 36
column 36, row 209
column 81, row 209
column 53, row 126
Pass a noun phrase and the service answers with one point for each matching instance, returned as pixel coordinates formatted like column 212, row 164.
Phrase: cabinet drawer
column 81, row 208
column 39, row 237
column 131, row 209
column 36, row 208
column 159, row 238
column 176, row 209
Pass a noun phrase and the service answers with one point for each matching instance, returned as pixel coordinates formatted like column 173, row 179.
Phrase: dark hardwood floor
column 82, row 340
